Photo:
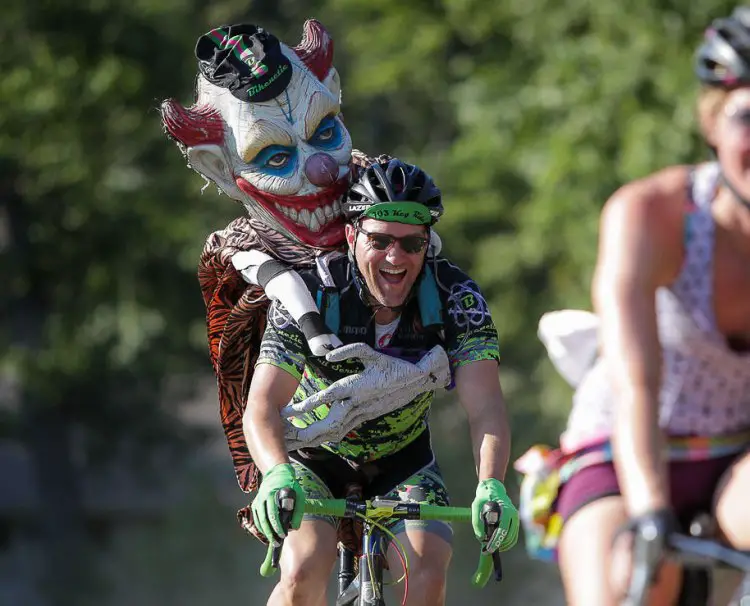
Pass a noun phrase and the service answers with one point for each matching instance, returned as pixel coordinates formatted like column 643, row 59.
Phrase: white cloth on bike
column 571, row 337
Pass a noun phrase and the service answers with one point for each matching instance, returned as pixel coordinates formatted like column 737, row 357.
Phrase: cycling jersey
column 466, row 332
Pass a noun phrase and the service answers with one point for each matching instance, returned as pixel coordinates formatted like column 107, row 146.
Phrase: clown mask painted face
column 266, row 129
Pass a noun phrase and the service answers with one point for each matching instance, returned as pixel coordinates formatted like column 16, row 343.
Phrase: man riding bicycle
column 387, row 299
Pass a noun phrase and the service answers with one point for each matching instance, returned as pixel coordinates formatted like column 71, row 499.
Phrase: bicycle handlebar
column 704, row 552
column 383, row 508
column 681, row 548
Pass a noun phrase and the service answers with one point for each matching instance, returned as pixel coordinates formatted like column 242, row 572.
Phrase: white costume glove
column 386, row 384
column 290, row 290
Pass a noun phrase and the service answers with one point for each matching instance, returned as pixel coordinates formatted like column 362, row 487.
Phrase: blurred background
column 116, row 487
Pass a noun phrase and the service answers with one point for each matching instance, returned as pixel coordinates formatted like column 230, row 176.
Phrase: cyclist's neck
column 386, row 315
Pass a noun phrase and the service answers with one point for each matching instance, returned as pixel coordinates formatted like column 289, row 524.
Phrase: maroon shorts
column 691, row 484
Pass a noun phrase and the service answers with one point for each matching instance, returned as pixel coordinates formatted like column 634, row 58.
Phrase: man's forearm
column 490, row 440
column 264, row 434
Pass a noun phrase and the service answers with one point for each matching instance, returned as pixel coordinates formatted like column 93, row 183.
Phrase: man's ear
column 435, row 245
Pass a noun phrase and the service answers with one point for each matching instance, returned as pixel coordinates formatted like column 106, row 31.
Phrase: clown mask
column 266, row 129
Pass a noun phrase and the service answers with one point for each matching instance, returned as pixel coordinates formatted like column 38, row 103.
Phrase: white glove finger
column 325, row 430
column 354, row 350
column 436, row 364
column 297, row 408
column 343, row 389
column 330, row 395
column 435, row 357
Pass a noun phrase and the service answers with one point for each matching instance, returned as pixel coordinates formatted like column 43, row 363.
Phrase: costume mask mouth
column 315, row 219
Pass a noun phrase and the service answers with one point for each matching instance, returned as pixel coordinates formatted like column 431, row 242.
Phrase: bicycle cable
column 400, row 551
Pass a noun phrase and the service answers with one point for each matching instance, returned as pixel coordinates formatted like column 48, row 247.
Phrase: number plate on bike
column 392, row 508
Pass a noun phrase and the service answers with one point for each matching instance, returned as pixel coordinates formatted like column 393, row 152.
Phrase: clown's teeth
column 314, row 223
column 304, row 217
column 314, row 220
column 287, row 212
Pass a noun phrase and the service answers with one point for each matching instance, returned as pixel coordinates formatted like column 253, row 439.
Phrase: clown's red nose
column 321, row 169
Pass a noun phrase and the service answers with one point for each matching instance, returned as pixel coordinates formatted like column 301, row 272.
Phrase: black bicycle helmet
column 384, row 188
column 723, row 59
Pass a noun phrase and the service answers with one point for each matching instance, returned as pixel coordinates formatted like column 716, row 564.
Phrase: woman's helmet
column 723, row 59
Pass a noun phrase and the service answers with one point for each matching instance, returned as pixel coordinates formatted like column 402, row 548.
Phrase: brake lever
column 285, row 499
column 649, row 543
column 491, row 514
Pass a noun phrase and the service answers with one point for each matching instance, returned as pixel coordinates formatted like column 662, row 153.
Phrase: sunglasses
column 740, row 116
column 411, row 244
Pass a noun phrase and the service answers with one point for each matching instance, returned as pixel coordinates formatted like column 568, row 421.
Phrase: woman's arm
column 640, row 249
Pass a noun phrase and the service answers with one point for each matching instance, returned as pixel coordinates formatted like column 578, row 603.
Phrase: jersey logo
column 354, row 330
column 466, row 305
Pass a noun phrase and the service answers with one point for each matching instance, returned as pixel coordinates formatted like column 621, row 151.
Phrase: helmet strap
column 724, row 181
column 742, row 200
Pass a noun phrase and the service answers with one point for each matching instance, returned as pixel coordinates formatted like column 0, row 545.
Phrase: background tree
column 529, row 114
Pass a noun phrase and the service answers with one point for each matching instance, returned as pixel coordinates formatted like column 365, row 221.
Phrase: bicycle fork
column 371, row 570
column 366, row 589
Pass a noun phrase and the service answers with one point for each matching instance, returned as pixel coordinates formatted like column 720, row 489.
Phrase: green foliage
column 105, row 223
column 529, row 113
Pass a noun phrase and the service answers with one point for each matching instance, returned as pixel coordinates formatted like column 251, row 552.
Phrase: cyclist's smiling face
column 390, row 273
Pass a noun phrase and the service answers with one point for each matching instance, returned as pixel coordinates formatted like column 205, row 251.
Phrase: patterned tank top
column 705, row 385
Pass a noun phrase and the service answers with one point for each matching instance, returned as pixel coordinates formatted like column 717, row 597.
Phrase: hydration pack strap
column 430, row 306
column 327, row 300
column 428, row 298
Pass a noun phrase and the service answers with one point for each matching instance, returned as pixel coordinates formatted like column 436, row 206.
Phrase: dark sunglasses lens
column 742, row 117
column 413, row 244
column 380, row 242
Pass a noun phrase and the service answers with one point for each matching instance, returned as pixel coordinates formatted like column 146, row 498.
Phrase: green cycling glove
column 506, row 534
column 266, row 513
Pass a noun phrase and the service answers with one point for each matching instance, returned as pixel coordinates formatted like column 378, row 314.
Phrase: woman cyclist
column 660, row 426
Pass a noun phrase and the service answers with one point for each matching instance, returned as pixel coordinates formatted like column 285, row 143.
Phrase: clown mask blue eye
column 328, row 134
column 276, row 159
